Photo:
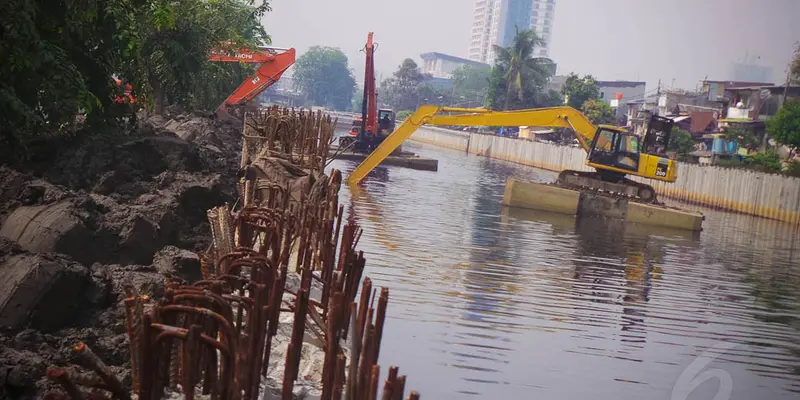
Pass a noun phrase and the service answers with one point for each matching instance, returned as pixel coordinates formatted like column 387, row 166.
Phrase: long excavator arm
column 557, row 117
column 274, row 63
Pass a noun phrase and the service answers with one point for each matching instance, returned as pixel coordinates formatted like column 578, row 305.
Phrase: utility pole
column 658, row 97
column 786, row 86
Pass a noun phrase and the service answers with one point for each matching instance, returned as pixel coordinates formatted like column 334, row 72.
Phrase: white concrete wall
column 766, row 195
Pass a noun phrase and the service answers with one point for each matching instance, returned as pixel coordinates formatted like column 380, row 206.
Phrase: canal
column 497, row 303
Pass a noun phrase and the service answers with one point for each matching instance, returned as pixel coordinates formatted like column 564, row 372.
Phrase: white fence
column 766, row 195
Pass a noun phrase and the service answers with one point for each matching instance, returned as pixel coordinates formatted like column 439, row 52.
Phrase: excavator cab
column 616, row 148
column 385, row 122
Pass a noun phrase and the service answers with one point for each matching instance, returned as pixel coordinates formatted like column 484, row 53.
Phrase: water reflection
column 497, row 302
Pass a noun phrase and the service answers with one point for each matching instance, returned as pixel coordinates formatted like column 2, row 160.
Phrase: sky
column 679, row 42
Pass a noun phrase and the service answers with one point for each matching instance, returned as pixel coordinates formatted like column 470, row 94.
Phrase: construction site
column 275, row 253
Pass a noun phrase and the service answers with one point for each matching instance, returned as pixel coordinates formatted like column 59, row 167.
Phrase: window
column 629, row 144
column 605, row 141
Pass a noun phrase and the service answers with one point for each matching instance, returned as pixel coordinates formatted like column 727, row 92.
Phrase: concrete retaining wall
column 755, row 193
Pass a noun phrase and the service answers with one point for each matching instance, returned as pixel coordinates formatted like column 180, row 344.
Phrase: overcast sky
column 684, row 40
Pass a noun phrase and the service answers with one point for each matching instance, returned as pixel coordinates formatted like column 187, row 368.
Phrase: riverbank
column 747, row 192
column 133, row 249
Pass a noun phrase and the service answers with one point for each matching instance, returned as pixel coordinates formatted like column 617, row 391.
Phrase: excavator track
column 593, row 182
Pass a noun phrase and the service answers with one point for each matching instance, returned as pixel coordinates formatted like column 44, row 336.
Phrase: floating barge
column 399, row 158
column 546, row 197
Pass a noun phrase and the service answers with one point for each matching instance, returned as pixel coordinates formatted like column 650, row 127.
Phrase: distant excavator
column 375, row 124
column 274, row 62
column 612, row 151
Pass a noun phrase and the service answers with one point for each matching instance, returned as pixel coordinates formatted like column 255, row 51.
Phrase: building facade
column 495, row 23
column 626, row 90
column 439, row 65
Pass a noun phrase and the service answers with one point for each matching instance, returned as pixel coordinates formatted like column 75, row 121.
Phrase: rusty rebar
column 93, row 362
column 61, row 377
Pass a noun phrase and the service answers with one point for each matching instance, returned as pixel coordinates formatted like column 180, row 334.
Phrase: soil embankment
column 91, row 215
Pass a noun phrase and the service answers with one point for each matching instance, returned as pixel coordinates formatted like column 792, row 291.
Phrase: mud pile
column 90, row 215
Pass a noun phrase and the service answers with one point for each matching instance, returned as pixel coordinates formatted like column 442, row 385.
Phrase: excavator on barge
column 612, row 151
column 374, row 125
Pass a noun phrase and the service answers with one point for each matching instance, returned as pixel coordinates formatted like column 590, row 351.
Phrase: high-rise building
column 495, row 22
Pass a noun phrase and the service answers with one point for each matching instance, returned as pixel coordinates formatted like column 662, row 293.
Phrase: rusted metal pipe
column 61, row 377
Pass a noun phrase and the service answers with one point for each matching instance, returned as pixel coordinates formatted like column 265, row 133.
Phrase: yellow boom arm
column 560, row 117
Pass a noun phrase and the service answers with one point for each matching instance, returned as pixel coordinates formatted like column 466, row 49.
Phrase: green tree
column 323, row 76
column 680, row 141
column 578, row 90
column 406, row 89
column 59, row 60
column 599, row 112
column 169, row 43
column 744, row 137
column 518, row 77
column 794, row 67
column 471, row 82
column 551, row 98
column 784, row 127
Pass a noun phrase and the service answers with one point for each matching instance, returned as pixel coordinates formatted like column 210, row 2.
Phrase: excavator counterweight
column 612, row 151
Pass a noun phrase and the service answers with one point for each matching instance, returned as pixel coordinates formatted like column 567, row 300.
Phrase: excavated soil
column 91, row 214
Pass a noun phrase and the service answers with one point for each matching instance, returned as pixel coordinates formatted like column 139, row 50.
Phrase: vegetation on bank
column 59, row 60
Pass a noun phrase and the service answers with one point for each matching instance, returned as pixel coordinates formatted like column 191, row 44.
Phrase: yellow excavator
column 612, row 151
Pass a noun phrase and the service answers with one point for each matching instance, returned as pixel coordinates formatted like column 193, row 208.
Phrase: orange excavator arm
column 274, row 63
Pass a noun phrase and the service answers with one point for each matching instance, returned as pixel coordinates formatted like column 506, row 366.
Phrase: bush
column 768, row 161
column 402, row 115
column 793, row 168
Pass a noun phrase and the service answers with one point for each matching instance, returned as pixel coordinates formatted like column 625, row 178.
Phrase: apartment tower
column 494, row 23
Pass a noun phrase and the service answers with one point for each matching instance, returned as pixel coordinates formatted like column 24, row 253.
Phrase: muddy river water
column 497, row 303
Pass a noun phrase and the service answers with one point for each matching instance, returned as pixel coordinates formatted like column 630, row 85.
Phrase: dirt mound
column 91, row 214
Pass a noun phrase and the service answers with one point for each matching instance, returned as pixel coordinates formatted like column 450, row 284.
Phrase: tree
column 59, row 60
column 599, row 112
column 794, row 67
column 680, row 141
column 517, row 76
column 323, row 76
column 551, row 98
column 406, row 89
column 471, row 82
column 169, row 43
column 578, row 90
column 744, row 137
column 784, row 127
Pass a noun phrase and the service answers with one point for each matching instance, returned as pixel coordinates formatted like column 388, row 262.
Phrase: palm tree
column 520, row 66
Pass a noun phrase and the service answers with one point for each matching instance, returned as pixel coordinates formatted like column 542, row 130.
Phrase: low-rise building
column 440, row 65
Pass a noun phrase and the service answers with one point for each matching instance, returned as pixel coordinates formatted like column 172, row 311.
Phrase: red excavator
column 274, row 62
column 374, row 125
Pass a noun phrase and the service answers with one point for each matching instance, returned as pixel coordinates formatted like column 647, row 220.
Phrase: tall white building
column 494, row 23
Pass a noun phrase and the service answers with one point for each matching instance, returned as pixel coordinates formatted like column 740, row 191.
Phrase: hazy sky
column 684, row 40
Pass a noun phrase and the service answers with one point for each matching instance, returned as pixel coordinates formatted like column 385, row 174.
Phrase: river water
column 498, row 303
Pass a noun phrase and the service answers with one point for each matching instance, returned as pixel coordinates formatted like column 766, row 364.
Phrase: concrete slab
column 540, row 196
column 664, row 216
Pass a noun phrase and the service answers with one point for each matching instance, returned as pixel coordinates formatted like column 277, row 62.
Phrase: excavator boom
column 557, row 117
column 611, row 150
column 274, row 63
